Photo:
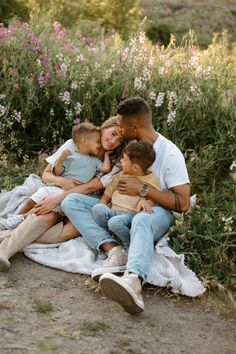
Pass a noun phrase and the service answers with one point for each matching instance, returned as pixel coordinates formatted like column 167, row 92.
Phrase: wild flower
column 64, row 68
column 171, row 117
column 41, row 81
column 2, row 96
column 138, row 84
column 152, row 96
column 2, row 110
column 160, row 99
column 52, row 113
column 65, row 97
column 125, row 92
column 76, row 121
column 78, row 108
column 233, row 166
column 16, row 115
column 74, row 85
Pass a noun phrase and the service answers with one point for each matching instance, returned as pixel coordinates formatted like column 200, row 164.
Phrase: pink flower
column 56, row 26
column 12, row 73
column 25, row 26
column 76, row 121
column 41, row 81
column 16, row 87
column 54, row 150
column 44, row 61
column 58, row 67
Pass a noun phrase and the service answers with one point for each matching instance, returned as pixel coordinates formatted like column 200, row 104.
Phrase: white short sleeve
column 68, row 145
column 107, row 178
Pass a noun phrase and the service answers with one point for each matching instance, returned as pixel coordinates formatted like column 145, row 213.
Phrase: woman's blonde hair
column 116, row 155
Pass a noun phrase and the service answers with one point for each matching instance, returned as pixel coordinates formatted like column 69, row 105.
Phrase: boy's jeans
column 145, row 230
column 115, row 221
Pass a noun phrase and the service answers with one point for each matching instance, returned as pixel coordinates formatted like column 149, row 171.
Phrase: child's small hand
column 146, row 206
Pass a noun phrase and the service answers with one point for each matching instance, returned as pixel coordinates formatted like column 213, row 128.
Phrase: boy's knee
column 113, row 224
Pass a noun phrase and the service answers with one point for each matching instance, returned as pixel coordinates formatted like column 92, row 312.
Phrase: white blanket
column 10, row 201
column 167, row 268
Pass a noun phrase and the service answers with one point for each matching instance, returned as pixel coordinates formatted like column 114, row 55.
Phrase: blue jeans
column 78, row 208
column 119, row 223
column 146, row 229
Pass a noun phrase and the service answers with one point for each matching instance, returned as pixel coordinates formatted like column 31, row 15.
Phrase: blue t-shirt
column 80, row 167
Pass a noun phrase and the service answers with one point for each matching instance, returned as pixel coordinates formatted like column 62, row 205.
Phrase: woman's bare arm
column 64, row 183
column 50, row 203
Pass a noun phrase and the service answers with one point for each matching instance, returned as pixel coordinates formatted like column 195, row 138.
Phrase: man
column 135, row 119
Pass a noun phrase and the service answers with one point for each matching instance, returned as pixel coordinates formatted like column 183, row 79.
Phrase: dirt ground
column 43, row 310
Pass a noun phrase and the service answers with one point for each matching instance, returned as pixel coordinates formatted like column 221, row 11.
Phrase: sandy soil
column 43, row 310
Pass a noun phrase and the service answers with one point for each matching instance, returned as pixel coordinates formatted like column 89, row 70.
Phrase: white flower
column 74, row 85
column 233, row 165
column 2, row 96
column 2, row 110
column 138, row 85
column 160, row 99
column 64, row 67
column 171, row 117
column 152, row 96
column 78, row 108
column 52, row 112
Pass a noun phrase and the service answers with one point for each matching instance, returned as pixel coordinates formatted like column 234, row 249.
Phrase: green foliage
column 205, row 18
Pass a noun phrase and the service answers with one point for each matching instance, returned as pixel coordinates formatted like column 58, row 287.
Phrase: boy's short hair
column 133, row 106
column 82, row 130
column 141, row 153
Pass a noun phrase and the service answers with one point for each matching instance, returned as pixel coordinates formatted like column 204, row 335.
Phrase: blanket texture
column 167, row 267
column 10, row 201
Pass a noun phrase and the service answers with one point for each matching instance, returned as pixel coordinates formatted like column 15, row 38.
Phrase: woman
column 35, row 226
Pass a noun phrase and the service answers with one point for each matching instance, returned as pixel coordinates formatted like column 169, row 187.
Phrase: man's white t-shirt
column 169, row 165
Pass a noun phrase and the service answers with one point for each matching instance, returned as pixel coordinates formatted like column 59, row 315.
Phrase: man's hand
column 67, row 183
column 48, row 204
column 129, row 185
column 146, row 206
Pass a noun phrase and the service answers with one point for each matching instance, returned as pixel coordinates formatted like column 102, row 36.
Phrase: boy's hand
column 146, row 206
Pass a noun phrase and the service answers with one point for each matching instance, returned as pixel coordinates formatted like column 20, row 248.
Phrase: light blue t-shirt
column 80, row 167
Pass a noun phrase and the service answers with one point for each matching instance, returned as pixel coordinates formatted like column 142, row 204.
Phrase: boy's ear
column 83, row 140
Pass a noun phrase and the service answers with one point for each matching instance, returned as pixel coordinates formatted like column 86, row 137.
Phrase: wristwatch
column 143, row 191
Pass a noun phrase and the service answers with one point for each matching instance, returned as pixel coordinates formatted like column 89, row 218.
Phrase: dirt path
column 43, row 310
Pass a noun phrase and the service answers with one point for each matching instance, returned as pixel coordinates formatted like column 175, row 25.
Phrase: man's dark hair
column 141, row 153
column 133, row 106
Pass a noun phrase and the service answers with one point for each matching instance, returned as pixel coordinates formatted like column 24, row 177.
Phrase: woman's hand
column 48, row 204
column 129, row 185
column 67, row 183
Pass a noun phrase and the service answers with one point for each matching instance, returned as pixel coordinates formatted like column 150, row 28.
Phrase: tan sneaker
column 115, row 263
column 125, row 290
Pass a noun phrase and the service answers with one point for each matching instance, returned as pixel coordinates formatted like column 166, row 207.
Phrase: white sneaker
column 125, row 290
column 115, row 263
column 11, row 222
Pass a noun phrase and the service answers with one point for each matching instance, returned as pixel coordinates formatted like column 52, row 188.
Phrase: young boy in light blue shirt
column 81, row 165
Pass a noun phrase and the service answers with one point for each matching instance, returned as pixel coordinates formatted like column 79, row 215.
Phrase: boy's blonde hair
column 82, row 130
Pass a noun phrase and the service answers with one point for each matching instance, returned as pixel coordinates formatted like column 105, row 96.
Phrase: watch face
column 143, row 190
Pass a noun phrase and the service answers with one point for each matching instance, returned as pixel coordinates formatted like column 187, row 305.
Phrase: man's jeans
column 146, row 229
column 119, row 223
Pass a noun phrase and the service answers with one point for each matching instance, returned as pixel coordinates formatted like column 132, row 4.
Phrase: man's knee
column 140, row 219
column 68, row 201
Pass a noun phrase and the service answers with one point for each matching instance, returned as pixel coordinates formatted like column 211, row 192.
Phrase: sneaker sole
column 113, row 289
column 97, row 273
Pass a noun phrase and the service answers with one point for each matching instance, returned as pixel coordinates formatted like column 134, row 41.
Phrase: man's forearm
column 176, row 200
